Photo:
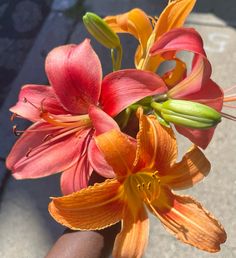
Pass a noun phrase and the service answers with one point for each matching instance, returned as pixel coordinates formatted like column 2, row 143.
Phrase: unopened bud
column 100, row 30
column 188, row 114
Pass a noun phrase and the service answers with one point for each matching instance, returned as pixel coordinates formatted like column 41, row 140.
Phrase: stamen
column 230, row 98
column 230, row 117
column 229, row 89
column 229, row 106
column 54, row 120
column 13, row 116
column 25, row 100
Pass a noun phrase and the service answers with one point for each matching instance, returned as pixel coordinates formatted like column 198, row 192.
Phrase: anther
column 15, row 131
column 149, row 186
column 139, row 187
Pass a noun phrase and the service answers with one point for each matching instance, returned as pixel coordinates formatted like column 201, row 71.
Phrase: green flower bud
column 99, row 29
column 187, row 113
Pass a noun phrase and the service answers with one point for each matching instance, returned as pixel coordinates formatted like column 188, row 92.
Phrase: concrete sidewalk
column 26, row 229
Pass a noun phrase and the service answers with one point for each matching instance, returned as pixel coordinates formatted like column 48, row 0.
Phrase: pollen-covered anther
column 155, row 174
column 149, row 184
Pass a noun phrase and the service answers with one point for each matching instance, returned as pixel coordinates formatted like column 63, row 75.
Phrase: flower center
column 142, row 187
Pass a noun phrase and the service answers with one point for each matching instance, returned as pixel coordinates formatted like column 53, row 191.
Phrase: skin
column 86, row 244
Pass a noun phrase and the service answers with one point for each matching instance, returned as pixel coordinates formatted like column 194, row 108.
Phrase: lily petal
column 157, row 146
column 95, row 156
column 133, row 238
column 118, row 151
column 189, row 221
column 75, row 73
column 189, row 40
column 135, row 22
column 38, row 150
column 97, row 115
column 193, row 167
column 123, row 88
column 199, row 137
column 176, row 75
column 173, row 16
column 33, row 98
column 211, row 95
column 92, row 208
column 98, row 161
column 77, row 176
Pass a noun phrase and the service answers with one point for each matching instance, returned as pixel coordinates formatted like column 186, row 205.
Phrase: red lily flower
column 197, row 86
column 66, row 116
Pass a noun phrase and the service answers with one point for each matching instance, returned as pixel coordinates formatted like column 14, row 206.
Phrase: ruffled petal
column 118, row 151
column 189, row 221
column 43, row 150
column 92, row 208
column 173, row 16
column 193, row 167
column 123, row 88
column 133, row 238
column 77, row 176
column 35, row 98
column 157, row 146
column 75, row 73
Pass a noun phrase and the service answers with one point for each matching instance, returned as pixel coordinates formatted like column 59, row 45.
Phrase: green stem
column 116, row 57
column 156, row 106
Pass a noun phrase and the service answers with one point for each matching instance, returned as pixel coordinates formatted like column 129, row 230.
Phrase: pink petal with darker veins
column 42, row 151
column 75, row 73
column 33, row 98
column 123, row 88
column 77, row 176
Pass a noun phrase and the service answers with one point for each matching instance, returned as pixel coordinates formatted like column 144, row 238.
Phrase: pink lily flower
column 66, row 116
column 197, row 86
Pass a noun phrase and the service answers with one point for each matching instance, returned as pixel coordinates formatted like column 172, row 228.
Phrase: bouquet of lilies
column 121, row 127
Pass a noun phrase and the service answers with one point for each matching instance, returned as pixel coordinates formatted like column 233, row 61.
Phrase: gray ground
column 26, row 230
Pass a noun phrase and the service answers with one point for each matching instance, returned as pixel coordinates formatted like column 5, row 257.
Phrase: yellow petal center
column 142, row 187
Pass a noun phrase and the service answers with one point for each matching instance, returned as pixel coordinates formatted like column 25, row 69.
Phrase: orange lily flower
column 146, row 174
column 137, row 23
